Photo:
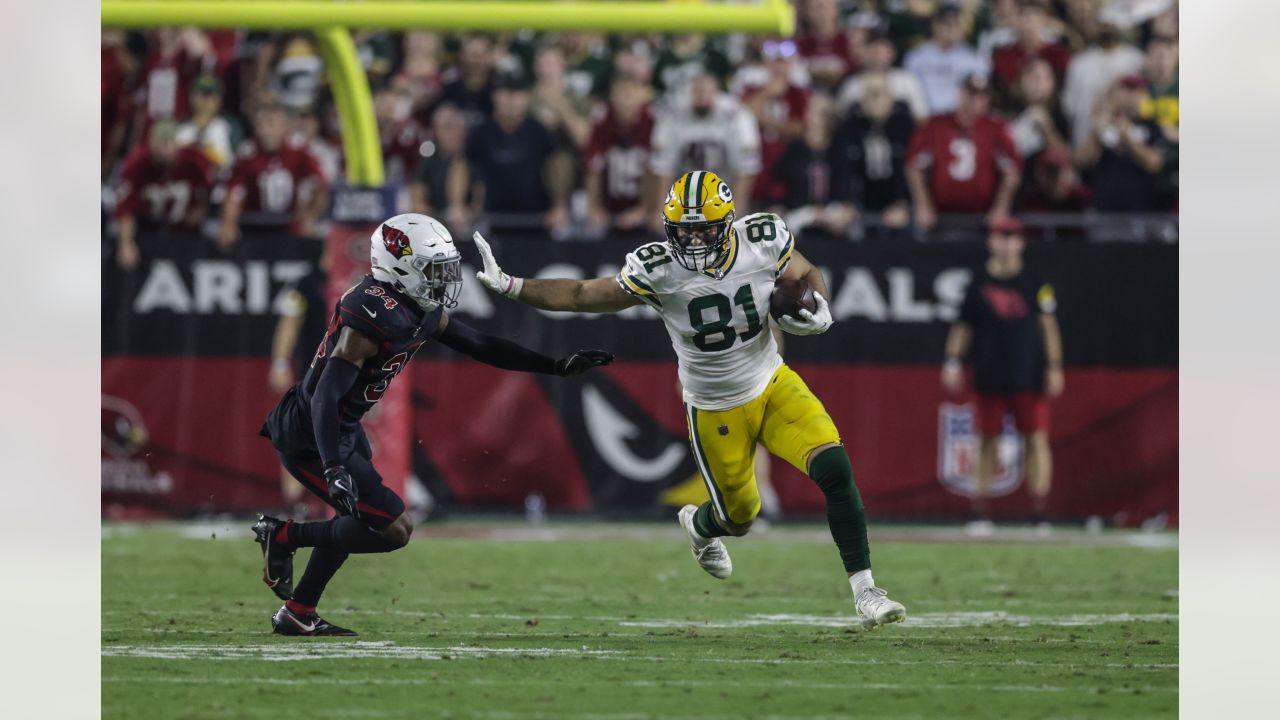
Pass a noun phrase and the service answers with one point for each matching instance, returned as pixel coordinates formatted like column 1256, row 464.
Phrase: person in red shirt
column 164, row 87
column 401, row 133
column 779, row 106
column 617, row 157
column 119, row 67
column 825, row 47
column 162, row 185
column 971, row 162
column 1029, row 44
column 1054, row 185
column 272, row 179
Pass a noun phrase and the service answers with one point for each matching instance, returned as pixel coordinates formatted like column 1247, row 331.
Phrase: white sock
column 861, row 580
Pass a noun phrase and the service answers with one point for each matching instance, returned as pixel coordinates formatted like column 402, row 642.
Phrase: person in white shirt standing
column 943, row 62
column 1091, row 74
column 712, row 130
column 877, row 57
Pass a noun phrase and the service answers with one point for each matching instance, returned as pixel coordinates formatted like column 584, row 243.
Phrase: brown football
column 789, row 295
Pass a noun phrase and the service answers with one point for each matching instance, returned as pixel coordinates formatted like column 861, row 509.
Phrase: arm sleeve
column 239, row 178
column 495, row 351
column 129, row 177
column 917, row 150
column 593, row 156
column 338, row 377
column 311, row 168
column 294, row 304
column 1046, row 299
column 1007, row 157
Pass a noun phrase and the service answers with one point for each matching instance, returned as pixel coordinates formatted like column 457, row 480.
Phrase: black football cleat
column 277, row 559
column 287, row 622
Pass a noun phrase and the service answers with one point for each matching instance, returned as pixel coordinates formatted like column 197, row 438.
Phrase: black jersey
column 1004, row 314
column 390, row 319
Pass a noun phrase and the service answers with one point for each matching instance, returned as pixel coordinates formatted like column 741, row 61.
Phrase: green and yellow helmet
column 698, row 215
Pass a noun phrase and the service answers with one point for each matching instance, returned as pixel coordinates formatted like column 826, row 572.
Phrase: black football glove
column 342, row 490
column 582, row 361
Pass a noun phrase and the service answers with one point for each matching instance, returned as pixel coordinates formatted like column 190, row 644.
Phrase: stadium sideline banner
column 185, row 368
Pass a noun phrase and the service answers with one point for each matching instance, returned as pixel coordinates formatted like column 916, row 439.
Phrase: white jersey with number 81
column 718, row 320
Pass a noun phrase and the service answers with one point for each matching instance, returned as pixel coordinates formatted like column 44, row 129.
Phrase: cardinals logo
column 1006, row 304
column 396, row 241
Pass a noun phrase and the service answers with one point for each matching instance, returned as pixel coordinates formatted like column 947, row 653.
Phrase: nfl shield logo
column 958, row 453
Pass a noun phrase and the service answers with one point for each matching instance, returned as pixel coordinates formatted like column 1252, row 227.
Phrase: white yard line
column 798, row 684
column 386, row 650
column 917, row 620
column 285, row 652
column 591, row 635
column 923, row 620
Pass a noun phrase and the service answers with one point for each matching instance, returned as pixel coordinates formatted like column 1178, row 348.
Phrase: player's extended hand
column 810, row 323
column 342, row 490
column 492, row 275
column 582, row 361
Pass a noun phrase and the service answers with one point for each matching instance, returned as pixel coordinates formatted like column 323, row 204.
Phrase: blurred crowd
column 899, row 113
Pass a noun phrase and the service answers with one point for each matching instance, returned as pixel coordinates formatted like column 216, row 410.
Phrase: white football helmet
column 416, row 254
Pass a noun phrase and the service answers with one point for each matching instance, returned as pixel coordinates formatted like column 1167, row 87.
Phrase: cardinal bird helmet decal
column 396, row 241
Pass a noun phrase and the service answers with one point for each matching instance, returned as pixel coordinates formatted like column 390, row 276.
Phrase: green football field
column 617, row 622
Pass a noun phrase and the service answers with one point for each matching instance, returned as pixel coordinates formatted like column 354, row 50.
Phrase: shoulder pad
column 646, row 273
column 767, row 234
column 370, row 309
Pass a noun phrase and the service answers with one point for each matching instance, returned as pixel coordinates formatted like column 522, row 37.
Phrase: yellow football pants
column 786, row 418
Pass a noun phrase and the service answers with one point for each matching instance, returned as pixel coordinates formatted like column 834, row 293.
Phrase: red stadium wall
column 185, row 356
column 494, row 438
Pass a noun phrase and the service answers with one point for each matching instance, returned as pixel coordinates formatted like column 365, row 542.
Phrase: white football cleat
column 875, row 608
column 710, row 554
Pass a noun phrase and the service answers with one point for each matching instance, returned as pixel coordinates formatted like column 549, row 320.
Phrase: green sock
column 833, row 473
column 705, row 524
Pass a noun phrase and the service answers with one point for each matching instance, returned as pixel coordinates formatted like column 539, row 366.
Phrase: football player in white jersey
column 711, row 282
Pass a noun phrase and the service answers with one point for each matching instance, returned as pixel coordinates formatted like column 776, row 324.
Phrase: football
column 789, row 295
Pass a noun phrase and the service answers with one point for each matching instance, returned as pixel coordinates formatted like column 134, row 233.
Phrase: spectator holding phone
column 1124, row 151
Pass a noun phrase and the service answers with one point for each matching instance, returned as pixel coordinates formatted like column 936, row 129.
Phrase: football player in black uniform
column 375, row 329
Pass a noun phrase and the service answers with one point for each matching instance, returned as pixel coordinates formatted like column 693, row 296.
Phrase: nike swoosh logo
column 371, row 313
column 303, row 628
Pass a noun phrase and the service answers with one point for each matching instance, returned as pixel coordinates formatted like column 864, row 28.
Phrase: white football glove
column 810, row 323
column 492, row 276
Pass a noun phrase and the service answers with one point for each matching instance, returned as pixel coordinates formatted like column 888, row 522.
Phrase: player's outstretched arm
column 502, row 353
column 810, row 323
column 599, row 295
column 340, row 373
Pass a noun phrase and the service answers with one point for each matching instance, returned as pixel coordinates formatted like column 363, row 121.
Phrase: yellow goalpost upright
column 331, row 21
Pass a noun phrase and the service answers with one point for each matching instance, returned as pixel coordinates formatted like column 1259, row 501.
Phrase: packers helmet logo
column 699, row 196
column 396, row 241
